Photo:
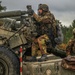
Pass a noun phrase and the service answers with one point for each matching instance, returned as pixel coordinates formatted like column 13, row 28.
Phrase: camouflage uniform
column 48, row 31
column 70, row 49
column 39, row 43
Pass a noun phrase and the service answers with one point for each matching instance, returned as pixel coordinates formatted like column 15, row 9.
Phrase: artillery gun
column 12, row 36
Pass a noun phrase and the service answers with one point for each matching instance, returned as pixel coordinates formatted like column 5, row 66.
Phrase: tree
column 2, row 7
column 73, row 23
column 67, row 31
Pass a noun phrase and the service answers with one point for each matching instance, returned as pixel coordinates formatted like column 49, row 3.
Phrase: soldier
column 47, row 31
column 70, row 49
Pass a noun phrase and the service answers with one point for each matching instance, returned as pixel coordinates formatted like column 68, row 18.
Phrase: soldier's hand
column 30, row 12
column 58, row 40
column 48, row 42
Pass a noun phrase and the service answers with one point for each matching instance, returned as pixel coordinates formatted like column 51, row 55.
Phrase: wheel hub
column 2, row 69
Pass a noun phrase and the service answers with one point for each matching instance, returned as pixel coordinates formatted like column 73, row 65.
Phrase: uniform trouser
column 39, row 43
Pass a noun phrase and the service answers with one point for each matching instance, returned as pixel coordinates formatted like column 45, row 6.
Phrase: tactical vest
column 50, row 28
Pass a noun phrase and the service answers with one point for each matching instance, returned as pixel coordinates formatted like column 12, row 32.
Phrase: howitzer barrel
column 12, row 14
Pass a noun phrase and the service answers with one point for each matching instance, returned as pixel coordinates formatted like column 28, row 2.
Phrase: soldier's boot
column 32, row 59
column 43, row 58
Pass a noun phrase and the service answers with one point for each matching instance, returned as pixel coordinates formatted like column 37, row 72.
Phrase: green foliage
column 67, row 31
column 2, row 7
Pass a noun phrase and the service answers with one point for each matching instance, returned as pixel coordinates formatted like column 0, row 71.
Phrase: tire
column 9, row 62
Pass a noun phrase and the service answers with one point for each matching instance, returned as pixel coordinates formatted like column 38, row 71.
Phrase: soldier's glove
column 48, row 42
column 58, row 40
column 30, row 12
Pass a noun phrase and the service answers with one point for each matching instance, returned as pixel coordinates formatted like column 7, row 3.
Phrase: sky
column 63, row 10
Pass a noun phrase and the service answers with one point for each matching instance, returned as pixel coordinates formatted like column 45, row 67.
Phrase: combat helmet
column 39, row 6
column 44, row 7
column 73, row 31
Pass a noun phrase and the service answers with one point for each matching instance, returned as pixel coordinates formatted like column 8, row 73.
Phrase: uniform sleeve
column 44, row 19
column 69, row 47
